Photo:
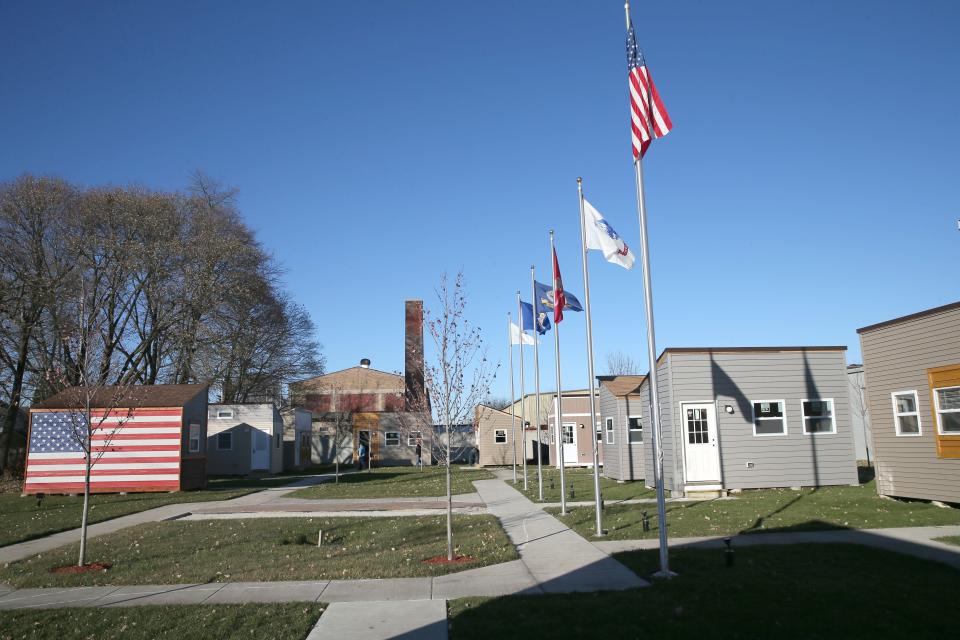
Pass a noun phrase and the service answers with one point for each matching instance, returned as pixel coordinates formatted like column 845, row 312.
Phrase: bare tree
column 459, row 376
column 621, row 364
column 858, row 405
column 498, row 402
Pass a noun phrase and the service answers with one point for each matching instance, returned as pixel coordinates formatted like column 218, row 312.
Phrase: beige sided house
column 621, row 419
column 912, row 369
column 576, row 430
column 244, row 438
column 495, row 437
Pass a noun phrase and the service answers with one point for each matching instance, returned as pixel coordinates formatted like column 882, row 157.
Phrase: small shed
column 145, row 438
column 497, row 431
column 297, row 438
column 752, row 418
column 577, row 434
column 912, row 369
column 244, row 438
column 621, row 427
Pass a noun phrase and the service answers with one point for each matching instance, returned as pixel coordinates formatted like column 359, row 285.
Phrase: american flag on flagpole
column 649, row 118
column 131, row 449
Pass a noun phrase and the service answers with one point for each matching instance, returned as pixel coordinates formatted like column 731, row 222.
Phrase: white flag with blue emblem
column 602, row 237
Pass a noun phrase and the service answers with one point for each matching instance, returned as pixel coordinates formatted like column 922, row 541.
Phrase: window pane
column 950, row 422
column 636, row 435
column 819, row 425
column 906, row 404
column 767, row 427
column 634, row 423
column 909, row 424
column 949, row 398
column 768, row 409
column 817, row 408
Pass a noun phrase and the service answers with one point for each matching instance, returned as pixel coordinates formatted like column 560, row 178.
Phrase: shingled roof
column 155, row 395
column 626, row 385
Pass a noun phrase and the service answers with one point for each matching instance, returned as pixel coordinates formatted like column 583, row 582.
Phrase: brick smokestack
column 415, row 394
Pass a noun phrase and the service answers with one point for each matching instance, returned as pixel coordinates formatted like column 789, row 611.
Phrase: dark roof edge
column 912, row 316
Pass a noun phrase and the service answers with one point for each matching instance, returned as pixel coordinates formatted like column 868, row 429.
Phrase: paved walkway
column 914, row 541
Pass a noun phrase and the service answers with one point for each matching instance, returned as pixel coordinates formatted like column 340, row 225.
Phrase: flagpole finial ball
column 579, row 180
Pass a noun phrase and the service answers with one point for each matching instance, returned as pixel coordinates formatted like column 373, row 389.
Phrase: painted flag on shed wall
column 136, row 450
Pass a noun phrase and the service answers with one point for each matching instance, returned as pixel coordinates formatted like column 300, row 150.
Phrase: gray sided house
column 752, row 418
column 621, row 427
column 297, row 435
column 244, row 438
column 912, row 368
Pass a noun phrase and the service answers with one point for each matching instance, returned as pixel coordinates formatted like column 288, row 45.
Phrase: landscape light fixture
column 728, row 409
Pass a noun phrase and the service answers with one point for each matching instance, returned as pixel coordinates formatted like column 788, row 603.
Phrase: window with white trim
column 568, row 428
column 635, row 429
column 769, row 418
column 224, row 441
column 906, row 413
column 947, row 404
column 609, row 430
column 599, row 430
column 224, row 413
column 818, row 416
column 413, row 438
column 194, row 445
column 500, row 436
column 391, row 438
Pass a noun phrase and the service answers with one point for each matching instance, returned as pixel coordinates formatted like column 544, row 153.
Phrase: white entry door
column 700, row 442
column 570, row 456
column 259, row 449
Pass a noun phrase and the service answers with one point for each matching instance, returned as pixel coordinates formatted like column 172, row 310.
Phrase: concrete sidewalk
column 411, row 620
column 914, row 541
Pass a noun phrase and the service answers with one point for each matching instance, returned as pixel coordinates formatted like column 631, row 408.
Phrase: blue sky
column 809, row 186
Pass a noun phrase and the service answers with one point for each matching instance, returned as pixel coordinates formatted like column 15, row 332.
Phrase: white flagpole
column 598, row 500
column 523, row 424
column 513, row 398
column 536, row 370
column 652, row 358
column 558, row 422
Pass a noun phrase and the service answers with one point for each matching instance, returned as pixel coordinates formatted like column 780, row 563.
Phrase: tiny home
column 244, row 438
column 752, row 418
column 621, row 427
column 577, row 434
column 499, row 437
column 143, row 438
column 912, row 370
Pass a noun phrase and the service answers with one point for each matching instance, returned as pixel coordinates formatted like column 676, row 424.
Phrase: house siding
column 896, row 358
column 247, row 421
column 739, row 378
column 633, row 464
column 612, row 459
column 667, row 436
column 492, row 453
column 576, row 410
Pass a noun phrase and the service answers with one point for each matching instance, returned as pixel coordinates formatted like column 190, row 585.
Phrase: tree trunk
column 86, row 494
column 449, row 496
column 10, row 419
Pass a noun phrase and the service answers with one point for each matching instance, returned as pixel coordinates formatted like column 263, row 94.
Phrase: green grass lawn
column 801, row 591
column 396, row 482
column 24, row 520
column 268, row 549
column 582, row 480
column 955, row 540
column 767, row 510
column 183, row 622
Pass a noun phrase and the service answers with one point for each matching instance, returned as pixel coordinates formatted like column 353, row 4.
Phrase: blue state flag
column 542, row 323
column 544, row 299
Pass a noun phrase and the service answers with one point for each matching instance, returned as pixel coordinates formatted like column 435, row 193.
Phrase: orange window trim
column 948, row 446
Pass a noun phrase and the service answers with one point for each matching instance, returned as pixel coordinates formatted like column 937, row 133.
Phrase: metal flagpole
column 513, row 414
column 523, row 424
column 536, row 372
column 598, row 500
column 558, row 421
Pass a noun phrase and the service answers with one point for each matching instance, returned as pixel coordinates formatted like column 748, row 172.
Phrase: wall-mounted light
column 728, row 409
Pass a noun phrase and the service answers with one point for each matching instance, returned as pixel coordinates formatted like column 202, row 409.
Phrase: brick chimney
column 415, row 393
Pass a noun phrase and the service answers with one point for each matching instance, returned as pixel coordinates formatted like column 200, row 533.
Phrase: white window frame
column 387, row 438
column 412, row 438
column 496, row 435
column 573, row 432
column 598, row 436
column 225, row 433
column 833, row 417
column 897, row 414
column 938, row 411
column 783, row 407
column 193, row 444
column 610, row 431
column 629, row 429
column 224, row 414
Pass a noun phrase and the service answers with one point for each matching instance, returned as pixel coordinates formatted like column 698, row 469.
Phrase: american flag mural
column 132, row 450
column 648, row 116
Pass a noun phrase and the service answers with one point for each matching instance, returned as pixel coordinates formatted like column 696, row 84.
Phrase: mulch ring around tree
column 443, row 560
column 87, row 568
